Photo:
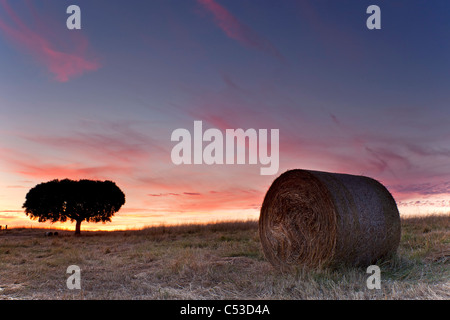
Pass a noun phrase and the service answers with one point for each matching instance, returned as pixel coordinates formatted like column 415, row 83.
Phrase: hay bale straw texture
column 319, row 219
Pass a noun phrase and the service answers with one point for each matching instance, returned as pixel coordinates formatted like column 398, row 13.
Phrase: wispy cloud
column 191, row 193
column 383, row 159
column 237, row 30
column 33, row 167
column 96, row 150
column 11, row 211
column 207, row 202
column 116, row 143
column 63, row 65
column 426, row 188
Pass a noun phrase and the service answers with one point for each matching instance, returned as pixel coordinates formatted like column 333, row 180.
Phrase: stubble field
column 222, row 260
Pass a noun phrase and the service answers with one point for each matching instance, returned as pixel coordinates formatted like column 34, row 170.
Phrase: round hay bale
column 319, row 219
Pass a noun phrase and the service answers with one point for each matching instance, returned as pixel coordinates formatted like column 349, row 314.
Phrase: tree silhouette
column 82, row 200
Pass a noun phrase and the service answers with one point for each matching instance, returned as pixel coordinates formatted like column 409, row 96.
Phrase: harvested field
column 214, row 261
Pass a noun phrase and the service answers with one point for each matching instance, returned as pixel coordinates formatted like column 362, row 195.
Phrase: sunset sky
column 103, row 101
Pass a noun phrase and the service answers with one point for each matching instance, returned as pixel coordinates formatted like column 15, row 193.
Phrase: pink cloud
column 34, row 167
column 115, row 143
column 71, row 171
column 63, row 65
column 207, row 202
column 163, row 194
column 238, row 31
column 98, row 150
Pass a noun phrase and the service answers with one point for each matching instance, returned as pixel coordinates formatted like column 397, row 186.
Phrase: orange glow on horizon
column 123, row 223
column 127, row 221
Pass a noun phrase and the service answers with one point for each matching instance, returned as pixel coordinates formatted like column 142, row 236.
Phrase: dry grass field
column 214, row 261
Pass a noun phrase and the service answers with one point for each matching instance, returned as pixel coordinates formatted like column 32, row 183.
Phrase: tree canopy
column 82, row 200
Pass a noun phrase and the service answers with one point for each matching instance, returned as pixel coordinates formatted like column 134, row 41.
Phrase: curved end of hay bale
column 314, row 219
column 297, row 224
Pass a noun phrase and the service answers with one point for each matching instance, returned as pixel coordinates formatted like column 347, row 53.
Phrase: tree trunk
column 78, row 228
